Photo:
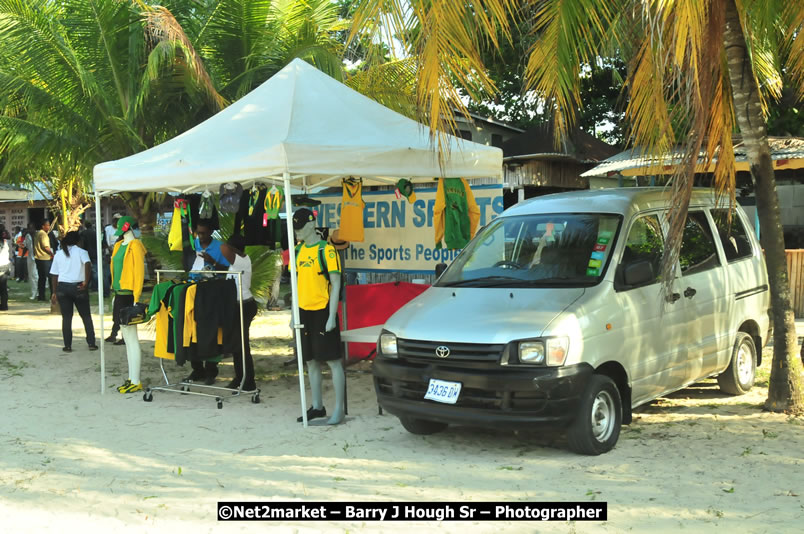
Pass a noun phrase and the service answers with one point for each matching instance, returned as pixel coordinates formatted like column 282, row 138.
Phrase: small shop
column 303, row 130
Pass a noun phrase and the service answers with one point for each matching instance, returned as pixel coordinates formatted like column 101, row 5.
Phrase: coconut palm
column 694, row 67
column 75, row 90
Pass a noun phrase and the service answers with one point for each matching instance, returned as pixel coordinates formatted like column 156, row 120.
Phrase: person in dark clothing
column 54, row 240
column 89, row 242
column 234, row 251
column 71, row 273
column 44, row 257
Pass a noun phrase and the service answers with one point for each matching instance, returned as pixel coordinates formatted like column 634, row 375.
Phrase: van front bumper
column 500, row 396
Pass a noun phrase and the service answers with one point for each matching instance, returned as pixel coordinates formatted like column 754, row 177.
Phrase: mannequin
column 128, row 272
column 319, row 344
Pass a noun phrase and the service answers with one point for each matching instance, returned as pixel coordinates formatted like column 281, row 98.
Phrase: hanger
column 206, row 193
column 273, row 189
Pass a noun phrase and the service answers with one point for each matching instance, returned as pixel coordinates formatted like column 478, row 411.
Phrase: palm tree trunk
column 785, row 388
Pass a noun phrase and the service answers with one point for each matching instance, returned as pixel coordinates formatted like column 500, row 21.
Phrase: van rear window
column 732, row 234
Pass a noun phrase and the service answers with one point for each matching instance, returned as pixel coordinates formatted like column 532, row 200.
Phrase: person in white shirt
column 234, row 251
column 6, row 263
column 33, row 274
column 109, row 239
column 72, row 273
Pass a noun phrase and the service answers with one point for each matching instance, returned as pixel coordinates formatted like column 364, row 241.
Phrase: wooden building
column 534, row 166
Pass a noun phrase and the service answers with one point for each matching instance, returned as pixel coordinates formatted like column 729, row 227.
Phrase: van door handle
column 672, row 298
column 689, row 292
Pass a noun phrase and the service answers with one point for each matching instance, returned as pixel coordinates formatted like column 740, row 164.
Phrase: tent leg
column 294, row 293
column 101, row 310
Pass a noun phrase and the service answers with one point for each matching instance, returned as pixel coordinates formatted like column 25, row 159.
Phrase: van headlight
column 551, row 351
column 531, row 352
column 387, row 345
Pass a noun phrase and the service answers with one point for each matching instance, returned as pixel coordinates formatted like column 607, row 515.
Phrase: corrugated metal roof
column 13, row 192
column 538, row 143
column 786, row 152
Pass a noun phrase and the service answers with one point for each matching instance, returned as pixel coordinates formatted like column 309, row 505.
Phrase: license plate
column 443, row 391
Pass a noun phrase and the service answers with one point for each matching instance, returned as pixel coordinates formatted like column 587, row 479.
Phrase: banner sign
column 399, row 236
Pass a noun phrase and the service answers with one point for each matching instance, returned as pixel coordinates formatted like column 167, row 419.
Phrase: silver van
column 554, row 314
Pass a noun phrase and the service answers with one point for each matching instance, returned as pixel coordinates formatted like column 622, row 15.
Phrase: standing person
column 208, row 250
column 89, row 242
column 71, row 273
column 44, row 257
column 109, row 240
column 21, row 256
column 33, row 275
column 208, row 258
column 54, row 237
column 6, row 261
column 234, row 252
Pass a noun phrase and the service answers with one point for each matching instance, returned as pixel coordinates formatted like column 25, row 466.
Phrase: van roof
column 619, row 200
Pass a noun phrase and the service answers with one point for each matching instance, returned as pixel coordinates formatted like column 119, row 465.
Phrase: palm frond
column 443, row 38
column 570, row 33
column 792, row 22
column 161, row 26
column 392, row 84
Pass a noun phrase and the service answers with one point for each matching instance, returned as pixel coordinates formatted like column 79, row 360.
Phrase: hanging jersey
column 455, row 214
column 229, row 199
column 253, row 199
column 314, row 287
column 273, row 201
column 351, row 226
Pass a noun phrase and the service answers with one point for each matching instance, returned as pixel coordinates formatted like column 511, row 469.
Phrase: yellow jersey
column 314, row 288
column 351, row 225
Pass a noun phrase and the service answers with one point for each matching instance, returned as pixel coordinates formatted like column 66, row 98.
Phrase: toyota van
column 555, row 314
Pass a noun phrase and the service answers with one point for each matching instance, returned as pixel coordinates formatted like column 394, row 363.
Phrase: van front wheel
column 739, row 376
column 597, row 424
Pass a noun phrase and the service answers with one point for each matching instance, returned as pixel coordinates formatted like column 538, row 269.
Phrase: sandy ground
column 75, row 460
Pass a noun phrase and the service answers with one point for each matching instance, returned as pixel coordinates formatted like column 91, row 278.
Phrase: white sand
column 74, row 460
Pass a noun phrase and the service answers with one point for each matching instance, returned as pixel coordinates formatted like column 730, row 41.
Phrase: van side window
column 698, row 252
column 732, row 234
column 645, row 242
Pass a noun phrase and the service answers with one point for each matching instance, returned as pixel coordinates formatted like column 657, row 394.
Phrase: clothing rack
column 183, row 387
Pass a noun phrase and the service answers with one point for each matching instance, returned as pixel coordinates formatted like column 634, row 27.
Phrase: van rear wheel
column 739, row 376
column 597, row 425
column 421, row 426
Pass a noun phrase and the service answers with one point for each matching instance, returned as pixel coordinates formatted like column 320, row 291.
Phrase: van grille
column 426, row 350
column 515, row 401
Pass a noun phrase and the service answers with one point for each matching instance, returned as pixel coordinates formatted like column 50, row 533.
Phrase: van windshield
column 563, row 249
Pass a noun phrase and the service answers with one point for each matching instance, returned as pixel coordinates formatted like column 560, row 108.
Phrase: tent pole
column 294, row 293
column 101, row 310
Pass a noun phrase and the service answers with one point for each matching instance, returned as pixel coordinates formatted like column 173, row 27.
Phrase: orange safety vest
column 22, row 252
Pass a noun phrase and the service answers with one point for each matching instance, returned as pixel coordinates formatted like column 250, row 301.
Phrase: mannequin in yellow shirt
column 318, row 309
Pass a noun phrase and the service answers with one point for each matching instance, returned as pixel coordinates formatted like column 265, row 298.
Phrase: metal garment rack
column 183, row 387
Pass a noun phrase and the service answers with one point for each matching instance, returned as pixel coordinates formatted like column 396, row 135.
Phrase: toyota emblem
column 442, row 351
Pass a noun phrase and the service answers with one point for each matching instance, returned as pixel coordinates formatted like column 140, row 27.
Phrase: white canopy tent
column 300, row 127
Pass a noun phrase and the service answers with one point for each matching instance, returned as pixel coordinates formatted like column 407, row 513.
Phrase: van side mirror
column 639, row 273
column 440, row 268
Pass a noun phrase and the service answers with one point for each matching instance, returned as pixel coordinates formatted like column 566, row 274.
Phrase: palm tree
column 75, row 91
column 693, row 67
